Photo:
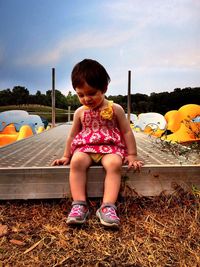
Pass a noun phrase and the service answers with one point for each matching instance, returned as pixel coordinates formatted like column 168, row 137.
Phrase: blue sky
column 158, row 40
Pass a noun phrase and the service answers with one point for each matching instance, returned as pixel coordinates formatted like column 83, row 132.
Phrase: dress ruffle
column 99, row 134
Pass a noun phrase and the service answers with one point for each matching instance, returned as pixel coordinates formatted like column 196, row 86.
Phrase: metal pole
column 53, row 97
column 129, row 96
column 69, row 113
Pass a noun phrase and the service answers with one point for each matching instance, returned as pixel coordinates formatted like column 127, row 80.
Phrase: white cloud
column 157, row 11
column 65, row 86
column 149, row 37
column 139, row 13
column 183, row 56
column 82, row 41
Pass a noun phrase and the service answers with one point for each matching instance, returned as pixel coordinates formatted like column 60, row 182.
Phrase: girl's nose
column 87, row 99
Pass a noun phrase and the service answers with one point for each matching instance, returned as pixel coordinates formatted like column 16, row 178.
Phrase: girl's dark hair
column 91, row 72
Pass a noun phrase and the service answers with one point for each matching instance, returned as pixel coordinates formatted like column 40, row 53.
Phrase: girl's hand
column 133, row 162
column 61, row 161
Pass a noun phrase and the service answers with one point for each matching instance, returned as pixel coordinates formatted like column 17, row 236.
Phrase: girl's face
column 89, row 96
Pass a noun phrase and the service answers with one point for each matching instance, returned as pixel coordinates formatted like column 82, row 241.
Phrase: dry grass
column 155, row 231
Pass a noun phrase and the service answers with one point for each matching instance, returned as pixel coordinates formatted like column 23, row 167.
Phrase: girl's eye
column 89, row 94
column 92, row 94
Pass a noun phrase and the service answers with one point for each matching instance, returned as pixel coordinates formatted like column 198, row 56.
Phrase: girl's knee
column 80, row 161
column 74, row 163
column 112, row 162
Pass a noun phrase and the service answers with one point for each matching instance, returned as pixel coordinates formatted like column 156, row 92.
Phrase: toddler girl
column 100, row 133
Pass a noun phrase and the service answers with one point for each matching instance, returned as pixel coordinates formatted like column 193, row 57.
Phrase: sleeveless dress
column 100, row 133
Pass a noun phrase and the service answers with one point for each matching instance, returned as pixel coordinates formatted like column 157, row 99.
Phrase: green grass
column 43, row 111
column 31, row 108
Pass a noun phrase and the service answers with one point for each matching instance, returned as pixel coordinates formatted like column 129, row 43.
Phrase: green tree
column 72, row 100
column 5, row 97
column 20, row 95
column 61, row 101
column 48, row 98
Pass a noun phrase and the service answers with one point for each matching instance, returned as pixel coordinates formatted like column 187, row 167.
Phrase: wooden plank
column 53, row 182
column 153, row 180
column 41, row 149
column 33, row 183
column 25, row 171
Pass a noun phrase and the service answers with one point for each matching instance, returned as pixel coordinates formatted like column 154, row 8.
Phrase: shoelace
column 110, row 212
column 76, row 211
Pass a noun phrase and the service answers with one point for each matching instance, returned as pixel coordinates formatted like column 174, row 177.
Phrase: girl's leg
column 78, row 167
column 112, row 163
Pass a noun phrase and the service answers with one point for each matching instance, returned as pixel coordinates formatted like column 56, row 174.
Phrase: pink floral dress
column 100, row 134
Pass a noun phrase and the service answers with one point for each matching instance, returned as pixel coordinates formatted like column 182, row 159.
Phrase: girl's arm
column 129, row 138
column 75, row 129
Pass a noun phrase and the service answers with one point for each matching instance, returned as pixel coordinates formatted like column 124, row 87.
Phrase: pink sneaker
column 78, row 213
column 107, row 215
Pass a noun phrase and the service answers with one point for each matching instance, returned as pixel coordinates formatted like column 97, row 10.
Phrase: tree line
column 156, row 102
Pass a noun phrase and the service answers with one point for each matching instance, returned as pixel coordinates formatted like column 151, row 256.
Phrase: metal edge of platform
column 53, row 182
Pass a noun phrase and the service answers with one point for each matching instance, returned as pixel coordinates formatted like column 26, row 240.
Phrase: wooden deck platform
column 25, row 171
